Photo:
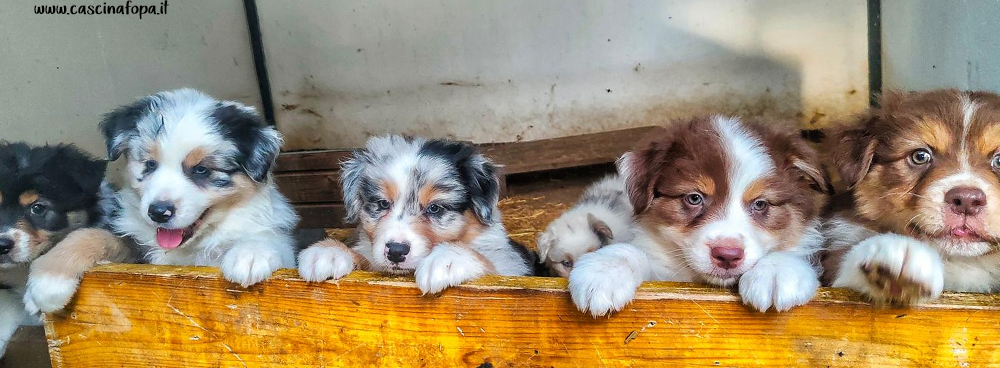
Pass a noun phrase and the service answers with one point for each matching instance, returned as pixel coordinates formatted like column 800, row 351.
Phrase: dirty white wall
column 524, row 69
column 59, row 73
column 935, row 44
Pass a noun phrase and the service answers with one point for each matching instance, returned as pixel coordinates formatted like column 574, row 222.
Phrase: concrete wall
column 524, row 69
column 59, row 73
column 934, row 44
column 475, row 70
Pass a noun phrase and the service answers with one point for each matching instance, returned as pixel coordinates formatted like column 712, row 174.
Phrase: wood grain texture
column 311, row 186
column 140, row 315
column 321, row 216
column 561, row 153
column 310, row 160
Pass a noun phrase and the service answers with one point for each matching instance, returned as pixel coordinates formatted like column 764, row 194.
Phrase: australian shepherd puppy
column 602, row 216
column 923, row 213
column 717, row 201
column 45, row 193
column 426, row 207
column 198, row 192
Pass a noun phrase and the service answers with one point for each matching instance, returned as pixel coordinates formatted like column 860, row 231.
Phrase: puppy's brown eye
column 921, row 157
column 694, row 199
column 758, row 206
column 567, row 263
column 38, row 209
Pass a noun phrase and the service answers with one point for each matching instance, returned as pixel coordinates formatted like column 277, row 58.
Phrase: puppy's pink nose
column 965, row 200
column 727, row 257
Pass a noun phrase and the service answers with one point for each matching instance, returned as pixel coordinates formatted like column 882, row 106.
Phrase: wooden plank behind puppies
column 561, row 153
column 142, row 315
column 321, row 216
column 311, row 186
column 310, row 160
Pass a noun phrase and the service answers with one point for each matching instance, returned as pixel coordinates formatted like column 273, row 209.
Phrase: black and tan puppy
column 45, row 193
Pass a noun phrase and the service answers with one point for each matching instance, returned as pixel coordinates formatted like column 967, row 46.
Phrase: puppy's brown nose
column 965, row 200
column 727, row 257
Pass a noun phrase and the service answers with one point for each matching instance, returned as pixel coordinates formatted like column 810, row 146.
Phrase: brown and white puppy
column 199, row 192
column 602, row 216
column 924, row 211
column 717, row 201
column 45, row 193
column 426, row 207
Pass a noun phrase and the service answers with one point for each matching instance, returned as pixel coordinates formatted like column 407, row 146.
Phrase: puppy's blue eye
column 694, row 199
column 199, row 170
column 567, row 263
column 434, row 209
column 149, row 166
column 758, row 206
column 382, row 204
column 995, row 162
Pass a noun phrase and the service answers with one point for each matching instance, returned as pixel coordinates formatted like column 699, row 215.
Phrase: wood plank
column 518, row 157
column 560, row 153
column 321, row 216
column 311, row 186
column 310, row 160
column 142, row 315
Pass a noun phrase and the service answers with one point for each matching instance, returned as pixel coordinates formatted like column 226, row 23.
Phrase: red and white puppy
column 716, row 201
column 924, row 211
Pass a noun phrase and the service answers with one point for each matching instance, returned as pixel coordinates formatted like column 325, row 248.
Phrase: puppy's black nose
column 6, row 244
column 161, row 211
column 965, row 200
column 396, row 252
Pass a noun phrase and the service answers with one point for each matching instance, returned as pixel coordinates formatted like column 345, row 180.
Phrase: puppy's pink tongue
column 169, row 238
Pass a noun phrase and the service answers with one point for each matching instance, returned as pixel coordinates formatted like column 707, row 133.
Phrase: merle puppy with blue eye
column 199, row 192
column 45, row 193
column 427, row 207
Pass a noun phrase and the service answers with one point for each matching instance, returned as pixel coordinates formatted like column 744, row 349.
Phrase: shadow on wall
column 525, row 70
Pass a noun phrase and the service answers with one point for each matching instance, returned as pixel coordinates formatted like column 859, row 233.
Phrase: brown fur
column 195, row 157
column 27, row 198
column 80, row 251
column 686, row 158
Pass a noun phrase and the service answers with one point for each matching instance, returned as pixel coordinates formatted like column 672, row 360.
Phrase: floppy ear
column 257, row 142
column 86, row 171
column 639, row 169
column 484, row 187
column 350, row 181
column 601, row 229
column 543, row 244
column 806, row 162
column 119, row 125
column 853, row 150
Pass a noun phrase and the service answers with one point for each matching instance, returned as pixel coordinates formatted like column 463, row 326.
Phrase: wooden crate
column 311, row 180
column 156, row 316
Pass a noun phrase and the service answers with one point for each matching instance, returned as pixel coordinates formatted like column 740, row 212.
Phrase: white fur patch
column 248, row 264
column 907, row 260
column 604, row 281
column 779, row 280
column 319, row 263
column 447, row 265
column 48, row 293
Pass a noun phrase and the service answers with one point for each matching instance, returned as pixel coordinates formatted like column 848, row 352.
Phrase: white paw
column 321, row 263
column 779, row 281
column 447, row 266
column 48, row 293
column 603, row 282
column 893, row 268
column 248, row 266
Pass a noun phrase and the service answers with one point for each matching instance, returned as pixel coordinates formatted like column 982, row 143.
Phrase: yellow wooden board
column 156, row 316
